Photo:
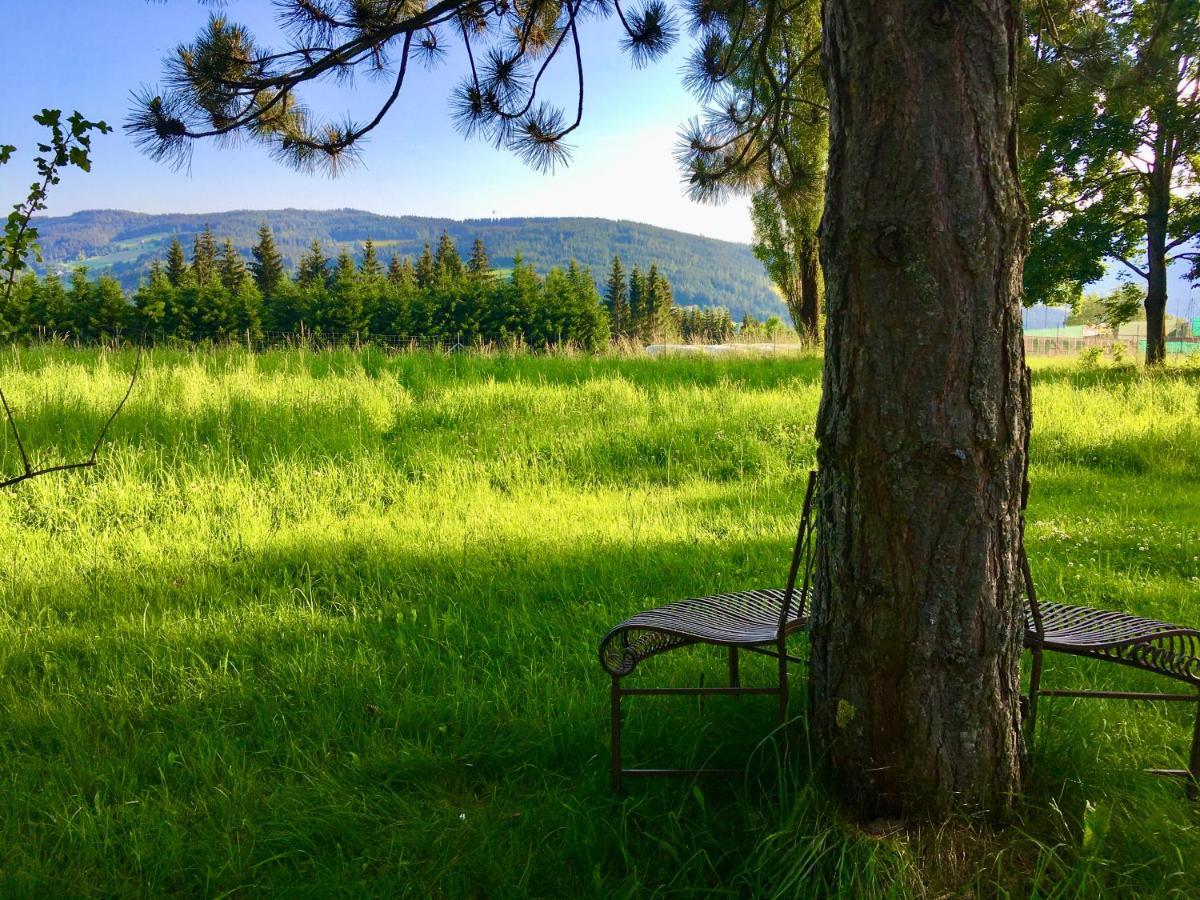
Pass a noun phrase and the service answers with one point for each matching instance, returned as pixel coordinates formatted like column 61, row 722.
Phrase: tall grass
column 326, row 623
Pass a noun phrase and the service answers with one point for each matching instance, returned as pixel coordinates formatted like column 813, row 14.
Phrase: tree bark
column 1157, row 212
column 917, row 621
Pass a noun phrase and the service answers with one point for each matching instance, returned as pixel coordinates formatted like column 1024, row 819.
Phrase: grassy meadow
column 326, row 624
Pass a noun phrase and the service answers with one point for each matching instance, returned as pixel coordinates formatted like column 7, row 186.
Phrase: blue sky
column 90, row 55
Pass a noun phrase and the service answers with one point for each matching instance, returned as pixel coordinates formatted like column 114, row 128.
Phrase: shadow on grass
column 336, row 714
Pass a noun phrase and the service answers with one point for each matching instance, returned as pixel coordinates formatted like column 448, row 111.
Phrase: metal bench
column 1115, row 637
column 757, row 621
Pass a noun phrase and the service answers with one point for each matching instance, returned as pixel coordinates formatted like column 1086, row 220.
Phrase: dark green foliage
column 177, row 267
column 703, row 272
column 654, row 316
column 1110, row 111
column 458, row 304
column 268, row 266
column 150, row 303
column 426, row 269
column 49, row 309
column 637, row 302
column 616, row 300
column 448, row 266
column 313, row 268
column 231, row 268
column 479, row 268
column 370, row 268
column 204, row 257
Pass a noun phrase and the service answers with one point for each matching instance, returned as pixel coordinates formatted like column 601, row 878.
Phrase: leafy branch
column 70, row 144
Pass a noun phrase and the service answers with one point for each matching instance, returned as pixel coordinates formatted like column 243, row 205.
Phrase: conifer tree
column 426, row 270
column 14, row 315
column 204, row 257
column 637, row 304
column 231, row 268
column 479, row 268
column 408, row 273
column 151, row 300
column 313, row 269
column 108, row 310
column 661, row 300
column 247, row 310
column 447, row 263
column 268, row 262
column 395, row 272
column 591, row 329
column 653, row 318
column 80, row 299
column 50, row 308
column 345, row 313
column 616, row 299
column 370, row 268
column 177, row 267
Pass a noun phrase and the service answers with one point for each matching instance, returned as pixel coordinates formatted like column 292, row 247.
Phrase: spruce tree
column 108, row 310
column 79, row 300
column 204, row 257
column 637, row 304
column 247, row 309
column 447, row 263
column 591, row 329
column 662, row 301
column 616, row 299
column 177, row 267
column 395, row 272
column 268, row 262
column 479, row 268
column 346, row 308
column 313, row 268
column 50, row 308
column 151, row 300
column 370, row 268
column 426, row 271
column 231, row 268
column 652, row 320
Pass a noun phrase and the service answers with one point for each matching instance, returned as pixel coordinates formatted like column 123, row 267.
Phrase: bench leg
column 735, row 678
column 616, row 735
column 1035, row 687
column 783, row 686
column 1193, row 781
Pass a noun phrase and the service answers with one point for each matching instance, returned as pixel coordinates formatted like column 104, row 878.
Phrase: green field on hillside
column 326, row 624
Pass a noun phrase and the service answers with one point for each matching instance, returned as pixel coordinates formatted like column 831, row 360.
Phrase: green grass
column 326, row 624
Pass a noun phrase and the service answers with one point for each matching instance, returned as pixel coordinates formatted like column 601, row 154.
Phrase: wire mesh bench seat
column 747, row 619
column 757, row 621
column 1162, row 648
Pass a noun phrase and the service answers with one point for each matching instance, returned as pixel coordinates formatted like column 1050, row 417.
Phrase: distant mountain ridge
column 703, row 271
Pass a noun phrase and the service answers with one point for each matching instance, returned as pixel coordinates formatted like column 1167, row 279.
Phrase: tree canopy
column 1111, row 159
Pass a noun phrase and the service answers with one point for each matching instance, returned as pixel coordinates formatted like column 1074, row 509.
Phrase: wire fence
column 1069, row 341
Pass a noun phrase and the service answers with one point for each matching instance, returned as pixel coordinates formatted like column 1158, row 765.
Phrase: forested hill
column 702, row 271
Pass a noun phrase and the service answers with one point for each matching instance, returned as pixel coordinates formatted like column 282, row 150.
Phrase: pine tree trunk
column 917, row 624
column 1156, row 267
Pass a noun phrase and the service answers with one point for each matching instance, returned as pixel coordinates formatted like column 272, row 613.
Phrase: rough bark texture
column 916, row 632
column 1157, row 212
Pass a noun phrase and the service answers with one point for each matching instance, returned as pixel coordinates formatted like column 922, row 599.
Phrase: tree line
column 217, row 295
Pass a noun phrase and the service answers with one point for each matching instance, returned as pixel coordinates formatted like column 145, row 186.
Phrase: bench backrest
column 802, row 560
